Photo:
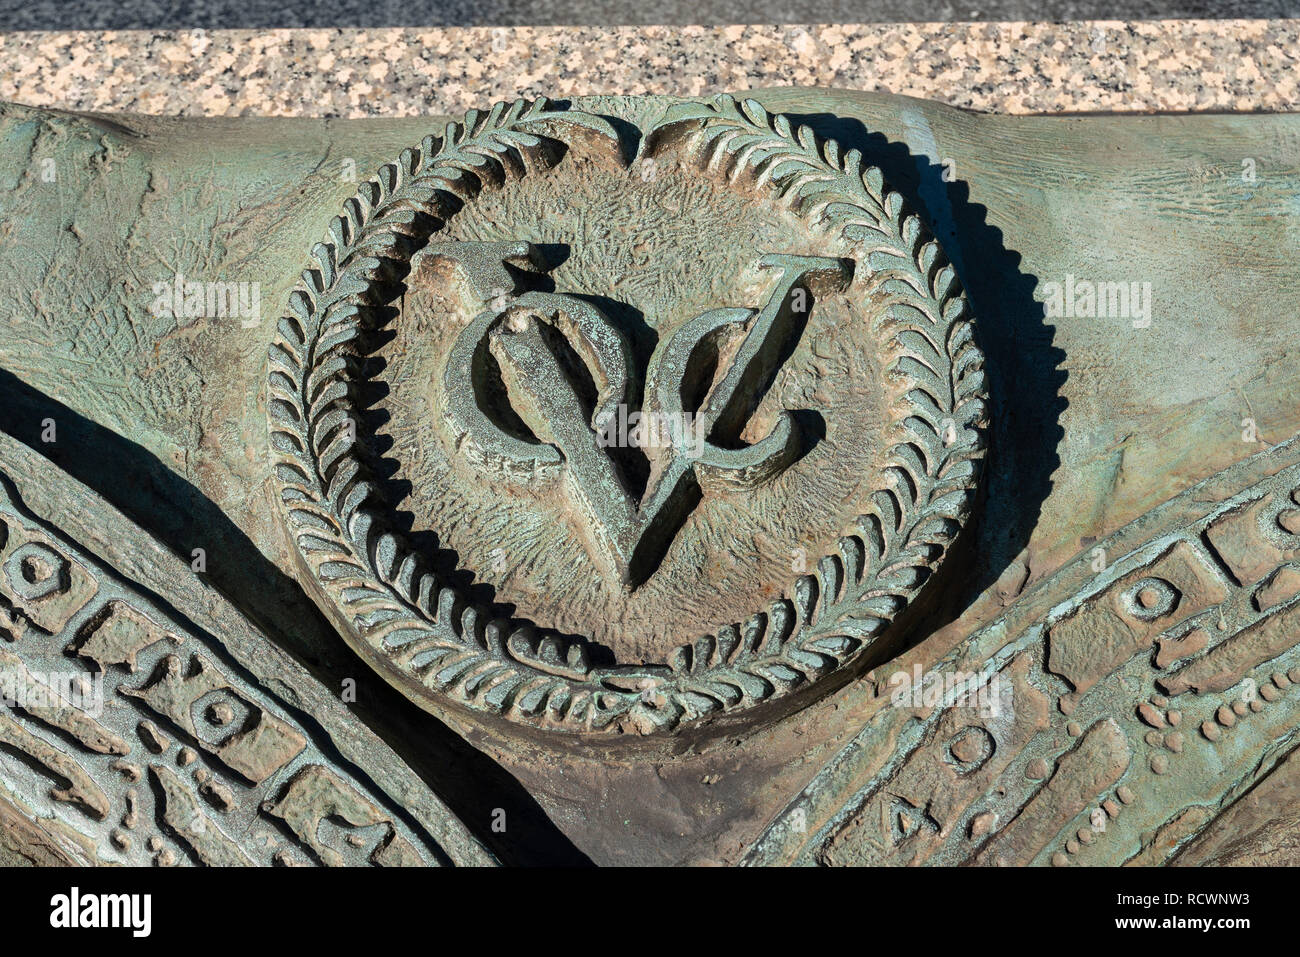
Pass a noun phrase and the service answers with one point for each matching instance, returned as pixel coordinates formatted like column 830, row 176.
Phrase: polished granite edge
column 1145, row 66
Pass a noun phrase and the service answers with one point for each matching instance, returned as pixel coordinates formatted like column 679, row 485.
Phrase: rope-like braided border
column 425, row 632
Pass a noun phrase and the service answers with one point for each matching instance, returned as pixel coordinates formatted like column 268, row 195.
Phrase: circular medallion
column 603, row 444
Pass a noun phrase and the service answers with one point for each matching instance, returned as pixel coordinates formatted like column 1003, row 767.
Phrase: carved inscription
column 1179, row 658
column 128, row 736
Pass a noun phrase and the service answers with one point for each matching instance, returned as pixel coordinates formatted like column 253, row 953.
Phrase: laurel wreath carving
column 424, row 631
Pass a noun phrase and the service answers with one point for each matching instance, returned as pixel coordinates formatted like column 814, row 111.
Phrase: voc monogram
column 702, row 386
column 835, row 398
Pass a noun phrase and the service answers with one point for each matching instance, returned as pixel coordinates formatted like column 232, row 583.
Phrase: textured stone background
column 267, row 14
column 1218, row 65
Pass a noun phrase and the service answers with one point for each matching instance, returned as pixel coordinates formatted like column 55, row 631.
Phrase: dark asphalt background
column 265, row 14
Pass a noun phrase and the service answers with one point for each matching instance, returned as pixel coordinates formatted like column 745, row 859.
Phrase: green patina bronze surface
column 816, row 478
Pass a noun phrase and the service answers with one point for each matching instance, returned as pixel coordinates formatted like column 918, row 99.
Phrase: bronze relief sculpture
column 707, row 481
column 889, row 361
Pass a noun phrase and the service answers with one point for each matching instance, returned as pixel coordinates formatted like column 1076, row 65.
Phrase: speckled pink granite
column 1009, row 67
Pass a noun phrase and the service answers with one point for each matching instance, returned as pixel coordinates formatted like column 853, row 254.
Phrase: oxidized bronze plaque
column 636, row 480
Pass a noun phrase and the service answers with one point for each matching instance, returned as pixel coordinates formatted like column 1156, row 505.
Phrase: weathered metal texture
column 496, row 292
column 1136, row 702
column 151, row 737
